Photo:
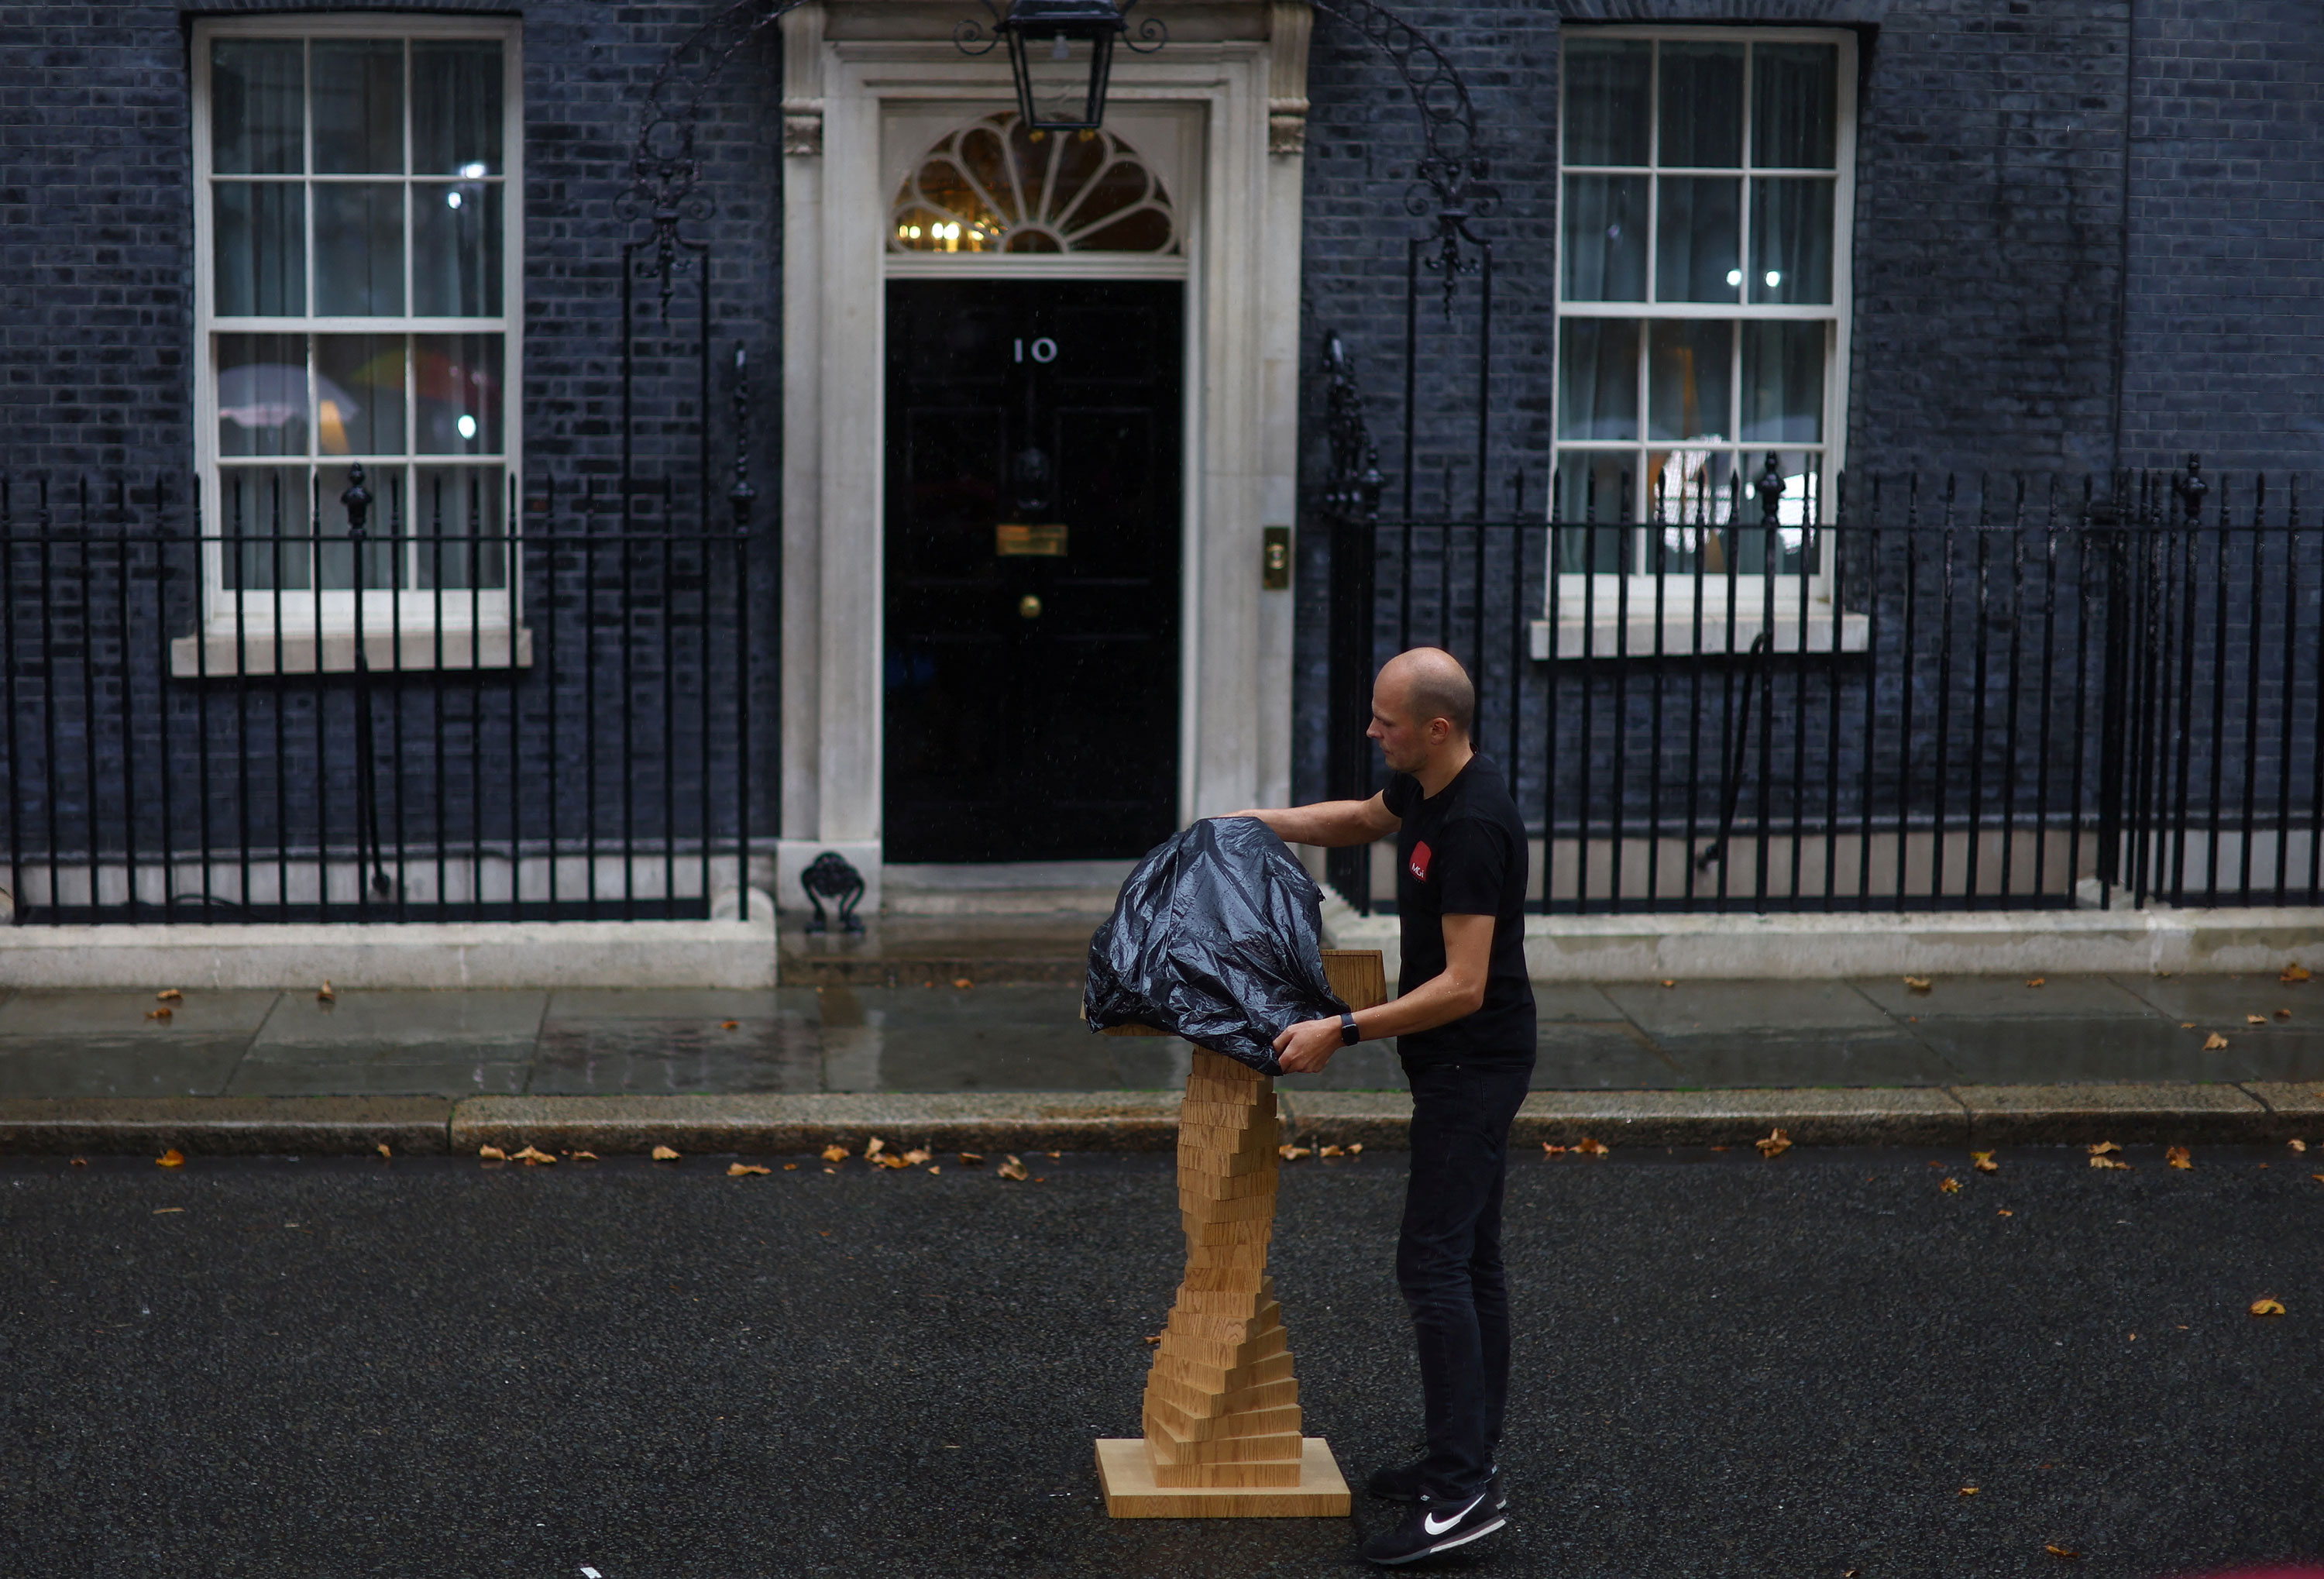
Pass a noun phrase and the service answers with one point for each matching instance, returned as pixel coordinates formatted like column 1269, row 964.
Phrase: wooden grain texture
column 1131, row 1492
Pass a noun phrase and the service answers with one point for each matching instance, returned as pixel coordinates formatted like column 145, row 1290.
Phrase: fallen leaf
column 1548, row 1149
column 917, row 1156
column 325, row 994
column 2267, row 1307
column 1356, row 1149
column 963, row 983
column 793, row 1168
column 76, row 1162
column 492, row 1154
column 1669, row 983
column 1951, row 1186
column 2103, row 1149
column 1983, row 1163
column 2284, row 1014
column 2215, row 1043
column 1589, row 1148
column 172, row 1157
column 1038, row 1179
column 663, row 1154
column 831, row 1170
column 1056, row 1154
column 170, row 995
column 835, row 1153
column 164, row 1012
column 1012, row 1169
column 2297, row 1145
column 2109, row 1162
column 165, row 1211
column 890, row 1160
column 972, row 1158
column 582, row 1155
column 1290, row 1153
column 382, row 1151
column 532, row 1157
column 2186, row 1025
column 1331, row 1151
column 874, row 1149
column 933, row 1169
column 2063, row 1554
column 1155, row 1338
column 2293, row 972
column 2319, row 1177
column 1969, row 1490
column 2004, row 1212
column 1774, row 1145
column 2254, row 1020
column 1917, row 983
column 730, row 1025
column 2178, row 1157
column 2037, row 981
column 743, row 1169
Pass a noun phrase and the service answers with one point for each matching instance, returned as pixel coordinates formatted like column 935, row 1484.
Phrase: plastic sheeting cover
column 1217, row 937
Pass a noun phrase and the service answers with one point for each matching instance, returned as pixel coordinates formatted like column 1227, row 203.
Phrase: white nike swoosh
column 1428, row 1520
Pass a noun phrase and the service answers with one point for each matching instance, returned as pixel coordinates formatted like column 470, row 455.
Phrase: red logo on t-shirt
column 1420, row 860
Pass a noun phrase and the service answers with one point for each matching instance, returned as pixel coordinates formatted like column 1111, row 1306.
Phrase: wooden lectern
column 1222, row 1410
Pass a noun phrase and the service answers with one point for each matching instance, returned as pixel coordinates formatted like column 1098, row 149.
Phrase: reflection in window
column 995, row 187
column 1700, row 185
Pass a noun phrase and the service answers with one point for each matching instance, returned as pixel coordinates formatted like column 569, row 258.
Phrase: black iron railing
column 1947, row 694
column 257, row 707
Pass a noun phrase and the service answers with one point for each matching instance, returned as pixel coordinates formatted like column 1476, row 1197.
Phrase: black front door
column 1032, row 568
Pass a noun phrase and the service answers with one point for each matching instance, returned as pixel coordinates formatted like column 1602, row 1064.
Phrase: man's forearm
column 1331, row 823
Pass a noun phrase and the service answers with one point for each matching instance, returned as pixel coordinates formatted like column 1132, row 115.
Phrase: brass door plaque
column 1275, row 559
column 1011, row 539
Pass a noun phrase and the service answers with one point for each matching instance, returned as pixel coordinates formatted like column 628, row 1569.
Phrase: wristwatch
column 1349, row 1035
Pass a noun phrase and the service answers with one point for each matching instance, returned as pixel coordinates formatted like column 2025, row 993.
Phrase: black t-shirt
column 1462, row 853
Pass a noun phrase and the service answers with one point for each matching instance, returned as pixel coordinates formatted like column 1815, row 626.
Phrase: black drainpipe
column 2122, row 262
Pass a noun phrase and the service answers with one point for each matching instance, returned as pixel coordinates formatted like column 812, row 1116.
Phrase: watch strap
column 1349, row 1035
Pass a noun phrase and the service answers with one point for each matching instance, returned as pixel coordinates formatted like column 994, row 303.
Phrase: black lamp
column 1061, row 53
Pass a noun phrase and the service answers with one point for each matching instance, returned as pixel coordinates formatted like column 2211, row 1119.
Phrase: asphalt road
column 1726, row 1366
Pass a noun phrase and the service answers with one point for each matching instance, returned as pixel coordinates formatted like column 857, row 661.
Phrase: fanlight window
column 993, row 186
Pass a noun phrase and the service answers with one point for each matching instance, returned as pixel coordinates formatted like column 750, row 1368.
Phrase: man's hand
column 1305, row 1048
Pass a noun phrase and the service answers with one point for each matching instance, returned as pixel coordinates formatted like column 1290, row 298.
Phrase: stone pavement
column 1026, row 1036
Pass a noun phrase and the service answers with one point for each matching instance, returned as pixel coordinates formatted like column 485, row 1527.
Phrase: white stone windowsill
column 422, row 648
column 1604, row 634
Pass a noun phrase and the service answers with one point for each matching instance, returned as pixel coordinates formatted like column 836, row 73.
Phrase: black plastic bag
column 1218, row 937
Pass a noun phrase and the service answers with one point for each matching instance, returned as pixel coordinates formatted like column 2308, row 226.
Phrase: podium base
column 1127, row 1473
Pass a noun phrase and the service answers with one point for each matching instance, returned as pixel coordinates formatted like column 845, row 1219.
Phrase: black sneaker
column 1434, row 1526
column 1400, row 1483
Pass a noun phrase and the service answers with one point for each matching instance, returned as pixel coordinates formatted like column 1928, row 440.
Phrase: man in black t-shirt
column 1464, row 1024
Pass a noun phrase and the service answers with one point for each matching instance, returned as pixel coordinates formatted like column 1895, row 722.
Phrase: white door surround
column 869, row 86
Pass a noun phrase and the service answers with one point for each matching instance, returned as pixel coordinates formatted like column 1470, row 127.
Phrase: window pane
column 459, row 388
column 456, row 250
column 1791, row 241
column 259, row 266
column 359, row 249
column 255, row 115
column 1792, row 547
column 358, row 107
column 1693, row 496
column 1702, row 105
column 261, row 516
column 1794, row 111
column 1782, row 382
column 359, row 393
column 461, row 523
column 1596, row 490
column 383, row 562
column 1606, row 91
column 1687, row 370
column 1698, row 252
column 456, row 108
column 261, row 392
column 1598, row 378
column 1606, row 238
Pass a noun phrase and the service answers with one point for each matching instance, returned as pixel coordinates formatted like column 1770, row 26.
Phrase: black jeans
column 1448, row 1263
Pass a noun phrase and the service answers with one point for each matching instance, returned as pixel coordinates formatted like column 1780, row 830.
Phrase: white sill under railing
column 228, row 650
column 1598, row 625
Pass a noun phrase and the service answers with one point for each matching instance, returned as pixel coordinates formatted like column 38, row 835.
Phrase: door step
column 1003, row 888
column 985, row 949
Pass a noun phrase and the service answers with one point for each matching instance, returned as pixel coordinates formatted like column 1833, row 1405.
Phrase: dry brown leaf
column 1983, row 1163
column 1969, row 1490
column 382, row 1151
column 2254, row 1020
column 2004, row 1212
column 2037, row 981
column 2103, row 1149
column 1549, row 1150
column 963, row 983
column 932, row 1168
column 1589, row 1148
column 790, row 1167
column 835, row 1153
column 917, row 1156
column 1356, row 1149
column 2063, row 1554
column 164, row 1012
column 890, row 1160
column 2284, row 1014
column 531, row 1157
column 1917, row 983
column 582, row 1155
column 492, row 1154
column 326, row 994
column 2293, row 972
column 2319, row 1177
column 1774, row 1145
column 730, row 1025
column 2109, row 1162
column 170, row 995
column 743, row 1169
column 2186, row 1025
column 1951, row 1186
column 76, row 1162
column 663, row 1154
column 1012, row 1169
column 2215, row 1043
column 2267, row 1307
column 2297, row 1145
column 1331, row 1151
column 2178, row 1157
column 172, row 1157
column 1056, row 1154
column 1155, row 1338
column 1290, row 1153
column 165, row 1211
column 972, row 1158
column 874, row 1149
column 1667, row 983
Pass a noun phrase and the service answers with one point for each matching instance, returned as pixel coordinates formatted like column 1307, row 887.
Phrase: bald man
column 1464, row 1024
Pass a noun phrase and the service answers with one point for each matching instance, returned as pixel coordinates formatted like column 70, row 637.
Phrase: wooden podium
column 1221, row 1408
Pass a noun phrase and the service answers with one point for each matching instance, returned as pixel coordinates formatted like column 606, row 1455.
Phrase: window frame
column 1582, row 608
column 408, row 626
